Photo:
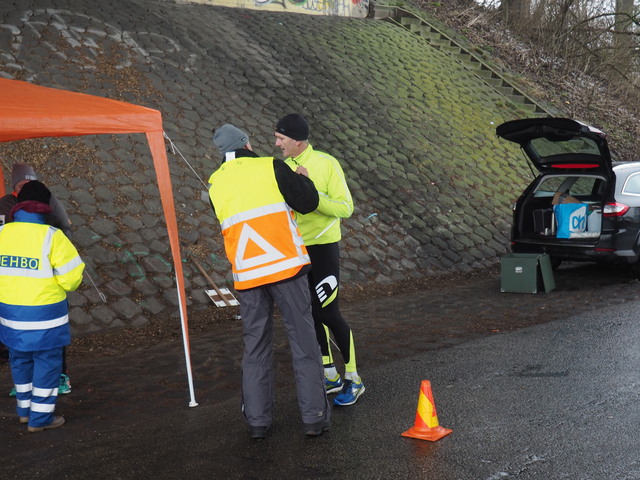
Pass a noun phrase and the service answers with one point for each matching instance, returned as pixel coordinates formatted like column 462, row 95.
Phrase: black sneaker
column 258, row 433
column 315, row 429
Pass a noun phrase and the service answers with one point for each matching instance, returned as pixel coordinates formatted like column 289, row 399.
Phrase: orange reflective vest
column 261, row 238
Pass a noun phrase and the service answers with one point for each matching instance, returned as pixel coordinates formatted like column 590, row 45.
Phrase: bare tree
column 516, row 13
column 623, row 41
column 588, row 35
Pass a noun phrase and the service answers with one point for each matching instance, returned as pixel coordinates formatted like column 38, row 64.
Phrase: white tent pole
column 187, row 353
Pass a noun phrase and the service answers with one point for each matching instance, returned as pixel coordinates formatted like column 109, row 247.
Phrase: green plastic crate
column 526, row 273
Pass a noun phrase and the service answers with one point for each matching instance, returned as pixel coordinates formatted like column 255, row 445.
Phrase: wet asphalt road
column 533, row 386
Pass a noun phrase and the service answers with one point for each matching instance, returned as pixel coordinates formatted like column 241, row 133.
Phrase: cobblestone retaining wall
column 413, row 129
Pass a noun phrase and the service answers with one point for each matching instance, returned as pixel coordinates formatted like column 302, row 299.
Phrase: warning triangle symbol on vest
column 252, row 241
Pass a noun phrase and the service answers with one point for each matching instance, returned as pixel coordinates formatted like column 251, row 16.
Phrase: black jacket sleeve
column 298, row 191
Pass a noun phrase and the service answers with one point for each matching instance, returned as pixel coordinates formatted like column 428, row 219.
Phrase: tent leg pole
column 187, row 354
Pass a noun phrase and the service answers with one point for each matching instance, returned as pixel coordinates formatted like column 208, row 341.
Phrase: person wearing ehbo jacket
column 21, row 174
column 38, row 266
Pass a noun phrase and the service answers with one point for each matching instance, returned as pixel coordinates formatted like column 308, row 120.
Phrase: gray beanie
column 229, row 138
column 22, row 171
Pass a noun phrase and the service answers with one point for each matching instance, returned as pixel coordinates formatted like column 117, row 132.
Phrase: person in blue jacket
column 21, row 174
column 38, row 266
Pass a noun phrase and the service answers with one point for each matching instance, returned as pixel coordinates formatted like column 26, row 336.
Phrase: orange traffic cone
column 426, row 426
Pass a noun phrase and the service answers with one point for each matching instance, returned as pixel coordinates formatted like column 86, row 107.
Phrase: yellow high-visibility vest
column 261, row 238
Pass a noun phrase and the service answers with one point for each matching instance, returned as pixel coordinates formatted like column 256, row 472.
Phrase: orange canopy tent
column 31, row 111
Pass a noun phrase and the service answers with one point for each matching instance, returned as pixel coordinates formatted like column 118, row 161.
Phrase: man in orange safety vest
column 254, row 198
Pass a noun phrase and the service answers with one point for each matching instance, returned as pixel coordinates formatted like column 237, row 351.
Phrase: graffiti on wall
column 343, row 8
column 84, row 42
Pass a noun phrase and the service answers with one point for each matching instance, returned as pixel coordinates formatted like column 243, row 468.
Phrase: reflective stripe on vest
column 39, row 325
column 264, row 246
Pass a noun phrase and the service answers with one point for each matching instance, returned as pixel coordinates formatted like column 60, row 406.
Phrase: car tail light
column 575, row 165
column 614, row 209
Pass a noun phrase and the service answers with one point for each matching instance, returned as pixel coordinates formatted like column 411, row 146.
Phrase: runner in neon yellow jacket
column 323, row 224
column 320, row 231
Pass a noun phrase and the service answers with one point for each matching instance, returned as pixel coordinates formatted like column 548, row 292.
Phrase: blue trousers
column 36, row 376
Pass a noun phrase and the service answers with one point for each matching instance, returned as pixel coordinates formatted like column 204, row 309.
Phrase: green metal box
column 526, row 273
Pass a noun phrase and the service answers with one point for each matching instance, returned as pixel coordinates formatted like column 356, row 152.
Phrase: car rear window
column 547, row 148
column 575, row 185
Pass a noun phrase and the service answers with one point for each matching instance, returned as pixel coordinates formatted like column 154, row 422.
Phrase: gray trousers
column 256, row 307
